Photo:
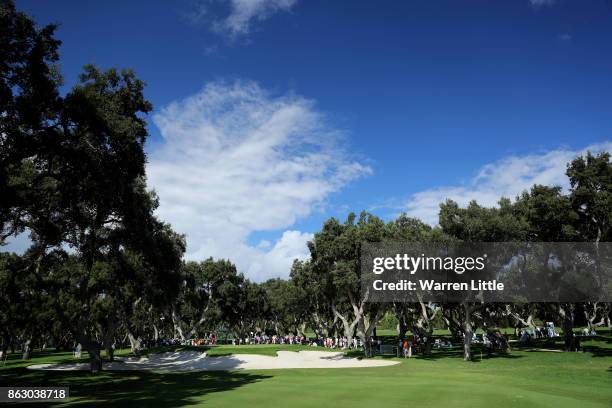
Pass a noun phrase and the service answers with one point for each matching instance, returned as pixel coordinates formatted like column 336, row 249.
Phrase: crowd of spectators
column 337, row 342
column 491, row 341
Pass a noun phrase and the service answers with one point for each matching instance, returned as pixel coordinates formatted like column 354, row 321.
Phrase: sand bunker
column 193, row 360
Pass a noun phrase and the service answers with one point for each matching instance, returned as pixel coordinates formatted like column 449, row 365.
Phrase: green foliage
column 73, row 174
column 591, row 195
column 212, row 292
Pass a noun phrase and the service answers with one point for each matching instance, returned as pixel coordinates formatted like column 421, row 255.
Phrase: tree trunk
column 95, row 360
column 27, row 349
column 400, row 314
column 135, row 343
column 323, row 326
column 348, row 332
column 93, row 348
column 520, row 319
column 468, row 332
column 110, row 352
column 349, row 327
column 424, row 324
column 454, row 327
column 194, row 329
column 363, row 336
column 365, row 329
column 591, row 311
column 428, row 343
column 176, row 322
column 367, row 348
column 567, row 314
column 301, row 329
column 109, row 339
column 401, row 329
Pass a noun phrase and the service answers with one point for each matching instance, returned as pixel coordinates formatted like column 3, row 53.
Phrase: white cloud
column 235, row 160
column 277, row 261
column 542, row 3
column 241, row 16
column 504, row 178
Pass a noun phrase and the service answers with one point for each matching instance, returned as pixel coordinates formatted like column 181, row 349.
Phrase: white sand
column 193, row 360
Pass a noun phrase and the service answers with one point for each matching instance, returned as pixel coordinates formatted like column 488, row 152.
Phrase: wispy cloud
column 239, row 16
column 504, row 178
column 541, row 3
column 235, row 160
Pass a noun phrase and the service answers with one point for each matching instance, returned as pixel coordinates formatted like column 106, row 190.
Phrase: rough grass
column 520, row 378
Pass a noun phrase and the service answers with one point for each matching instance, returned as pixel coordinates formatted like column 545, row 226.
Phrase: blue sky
column 389, row 106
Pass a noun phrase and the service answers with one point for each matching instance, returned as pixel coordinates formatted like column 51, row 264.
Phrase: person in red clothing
column 405, row 347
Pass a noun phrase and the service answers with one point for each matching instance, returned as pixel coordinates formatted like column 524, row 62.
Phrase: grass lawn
column 521, row 378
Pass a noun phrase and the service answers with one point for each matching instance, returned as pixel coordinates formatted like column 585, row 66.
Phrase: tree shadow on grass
column 478, row 354
column 557, row 344
column 132, row 388
column 445, row 353
column 597, row 351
